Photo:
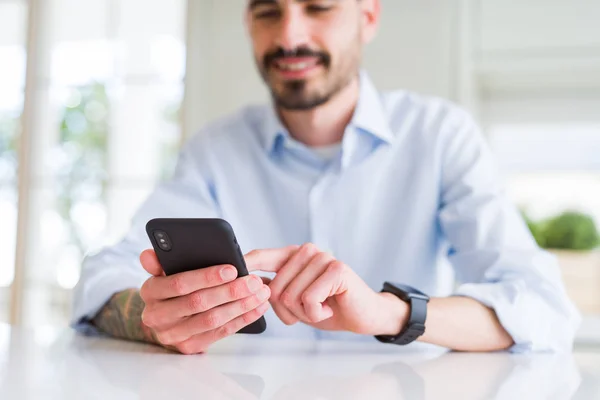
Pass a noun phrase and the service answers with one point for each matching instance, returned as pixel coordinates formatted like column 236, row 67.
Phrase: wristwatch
column 415, row 326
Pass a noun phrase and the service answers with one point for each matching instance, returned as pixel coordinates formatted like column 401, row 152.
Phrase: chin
column 300, row 103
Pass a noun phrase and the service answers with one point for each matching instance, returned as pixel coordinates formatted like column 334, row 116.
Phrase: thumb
column 150, row 263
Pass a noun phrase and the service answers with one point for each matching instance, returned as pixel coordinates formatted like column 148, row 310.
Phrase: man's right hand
column 192, row 310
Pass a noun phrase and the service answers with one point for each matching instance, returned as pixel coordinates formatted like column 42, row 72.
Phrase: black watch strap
column 415, row 326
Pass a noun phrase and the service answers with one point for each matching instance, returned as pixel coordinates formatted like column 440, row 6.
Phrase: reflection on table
column 52, row 364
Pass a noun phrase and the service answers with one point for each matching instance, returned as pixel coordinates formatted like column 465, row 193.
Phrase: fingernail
column 254, row 284
column 264, row 293
column 228, row 273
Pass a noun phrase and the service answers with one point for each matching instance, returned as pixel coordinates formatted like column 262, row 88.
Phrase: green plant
column 570, row 230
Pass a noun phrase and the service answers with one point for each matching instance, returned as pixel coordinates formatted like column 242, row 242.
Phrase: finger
column 331, row 283
column 292, row 294
column 269, row 260
column 200, row 342
column 283, row 307
column 150, row 263
column 168, row 312
column 184, row 283
column 285, row 315
column 290, row 270
column 213, row 319
column 296, row 263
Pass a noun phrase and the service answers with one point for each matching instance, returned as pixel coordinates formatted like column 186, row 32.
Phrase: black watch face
column 411, row 291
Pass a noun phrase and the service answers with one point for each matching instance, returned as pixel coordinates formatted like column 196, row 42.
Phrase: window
column 106, row 129
column 13, row 16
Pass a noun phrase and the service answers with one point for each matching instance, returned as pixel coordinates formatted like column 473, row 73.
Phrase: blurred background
column 96, row 96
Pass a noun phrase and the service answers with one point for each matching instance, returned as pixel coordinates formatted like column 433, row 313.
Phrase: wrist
column 394, row 316
column 149, row 334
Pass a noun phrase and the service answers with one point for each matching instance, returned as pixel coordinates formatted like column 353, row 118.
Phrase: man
column 343, row 188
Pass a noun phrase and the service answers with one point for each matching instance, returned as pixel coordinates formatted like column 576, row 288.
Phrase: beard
column 306, row 94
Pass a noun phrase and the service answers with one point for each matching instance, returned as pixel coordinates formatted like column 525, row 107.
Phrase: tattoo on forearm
column 121, row 317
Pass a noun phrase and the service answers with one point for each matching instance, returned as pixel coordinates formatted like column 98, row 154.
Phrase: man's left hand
column 313, row 287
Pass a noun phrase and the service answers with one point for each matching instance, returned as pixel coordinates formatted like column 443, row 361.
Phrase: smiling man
column 335, row 189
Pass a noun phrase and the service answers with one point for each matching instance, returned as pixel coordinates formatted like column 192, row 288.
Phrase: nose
column 293, row 31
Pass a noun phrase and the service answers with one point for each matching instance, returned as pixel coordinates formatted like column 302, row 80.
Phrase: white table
column 58, row 364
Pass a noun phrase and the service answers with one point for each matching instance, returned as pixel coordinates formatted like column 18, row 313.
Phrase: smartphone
column 192, row 243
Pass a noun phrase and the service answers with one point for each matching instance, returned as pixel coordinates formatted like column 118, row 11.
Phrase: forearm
column 121, row 317
column 459, row 323
column 464, row 324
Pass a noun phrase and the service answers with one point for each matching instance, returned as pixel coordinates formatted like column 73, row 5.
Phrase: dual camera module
column 162, row 239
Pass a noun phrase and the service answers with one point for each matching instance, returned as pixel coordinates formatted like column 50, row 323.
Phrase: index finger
column 269, row 260
column 181, row 284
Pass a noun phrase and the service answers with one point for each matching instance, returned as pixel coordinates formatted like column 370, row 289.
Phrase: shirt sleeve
column 117, row 268
column 496, row 260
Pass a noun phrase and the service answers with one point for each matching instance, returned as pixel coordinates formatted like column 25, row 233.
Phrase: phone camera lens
column 162, row 240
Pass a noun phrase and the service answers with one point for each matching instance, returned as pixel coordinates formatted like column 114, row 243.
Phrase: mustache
column 280, row 53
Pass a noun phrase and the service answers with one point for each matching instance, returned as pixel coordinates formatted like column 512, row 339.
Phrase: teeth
column 295, row 66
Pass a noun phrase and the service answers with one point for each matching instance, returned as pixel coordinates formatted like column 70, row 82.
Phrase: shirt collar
column 272, row 131
column 369, row 116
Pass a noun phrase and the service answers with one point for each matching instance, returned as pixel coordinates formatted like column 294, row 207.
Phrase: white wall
column 530, row 46
column 221, row 75
column 415, row 49
column 539, row 26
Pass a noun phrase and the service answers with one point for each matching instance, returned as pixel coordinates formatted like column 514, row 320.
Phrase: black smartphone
column 188, row 244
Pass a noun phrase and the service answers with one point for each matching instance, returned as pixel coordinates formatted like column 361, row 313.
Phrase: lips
column 296, row 64
column 296, row 67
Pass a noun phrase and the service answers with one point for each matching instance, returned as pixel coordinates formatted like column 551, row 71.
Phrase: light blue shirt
column 413, row 196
